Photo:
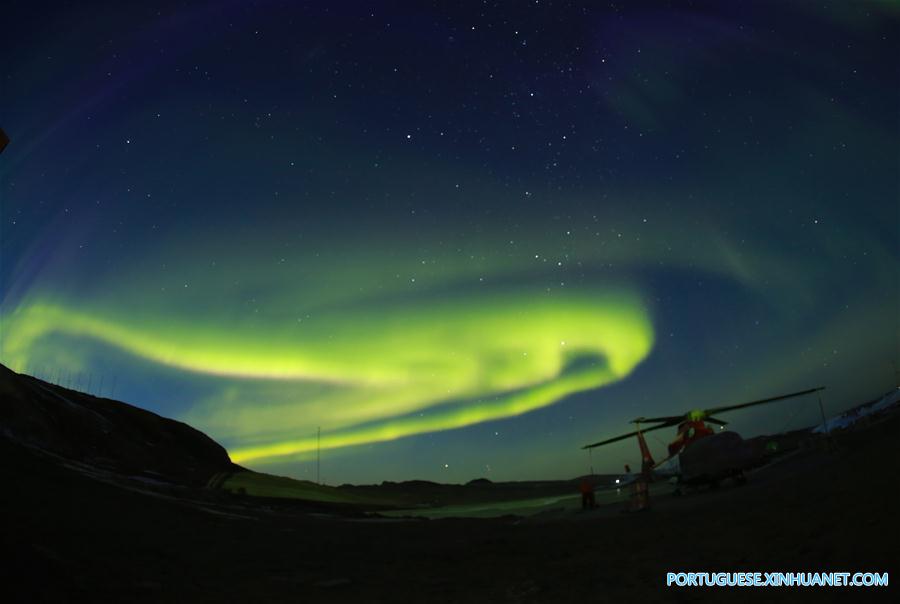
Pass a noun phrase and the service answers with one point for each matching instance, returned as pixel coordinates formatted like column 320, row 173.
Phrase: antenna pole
column 318, row 452
column 824, row 423
column 822, row 411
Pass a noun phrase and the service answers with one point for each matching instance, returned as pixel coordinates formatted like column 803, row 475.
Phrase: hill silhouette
column 106, row 434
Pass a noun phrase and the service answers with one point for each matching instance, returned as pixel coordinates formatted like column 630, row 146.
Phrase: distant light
column 617, row 481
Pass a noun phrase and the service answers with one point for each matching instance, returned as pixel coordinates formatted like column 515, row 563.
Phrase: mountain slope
column 105, row 433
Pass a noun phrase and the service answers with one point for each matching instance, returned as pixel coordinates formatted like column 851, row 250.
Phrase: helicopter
column 705, row 456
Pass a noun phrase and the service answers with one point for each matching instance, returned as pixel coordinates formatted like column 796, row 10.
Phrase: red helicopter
column 705, row 456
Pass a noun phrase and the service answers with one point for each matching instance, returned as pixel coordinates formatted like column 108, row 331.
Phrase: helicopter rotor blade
column 624, row 436
column 670, row 419
column 704, row 415
column 713, row 410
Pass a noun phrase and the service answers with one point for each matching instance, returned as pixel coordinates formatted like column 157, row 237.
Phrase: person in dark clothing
column 587, row 495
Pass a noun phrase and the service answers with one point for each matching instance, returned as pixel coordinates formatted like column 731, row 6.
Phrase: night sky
column 463, row 239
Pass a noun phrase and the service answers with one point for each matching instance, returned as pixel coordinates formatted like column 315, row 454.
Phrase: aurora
column 494, row 356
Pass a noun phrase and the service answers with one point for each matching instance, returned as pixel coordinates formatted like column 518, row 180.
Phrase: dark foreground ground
column 68, row 537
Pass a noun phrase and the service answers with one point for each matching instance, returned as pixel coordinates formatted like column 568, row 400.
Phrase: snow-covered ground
column 850, row 417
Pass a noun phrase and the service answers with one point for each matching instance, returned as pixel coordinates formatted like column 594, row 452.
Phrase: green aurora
column 494, row 357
